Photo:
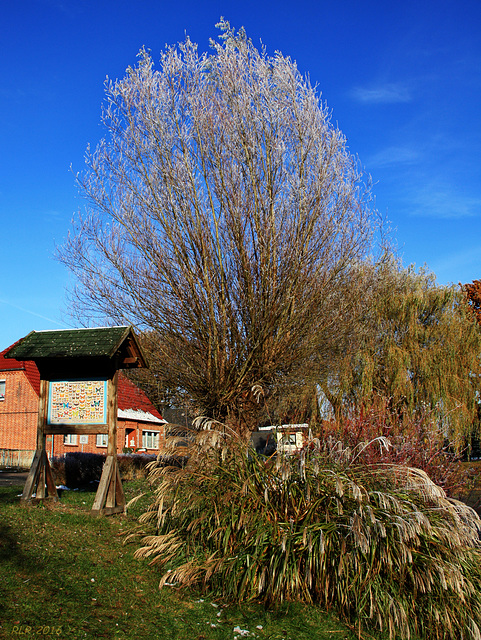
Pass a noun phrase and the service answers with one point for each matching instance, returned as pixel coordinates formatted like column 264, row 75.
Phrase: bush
column 415, row 441
column 133, row 466
column 380, row 544
column 78, row 470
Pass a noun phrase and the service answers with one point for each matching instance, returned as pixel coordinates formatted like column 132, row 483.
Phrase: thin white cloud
column 394, row 155
column 388, row 93
column 33, row 313
column 435, row 201
column 53, row 214
column 70, row 9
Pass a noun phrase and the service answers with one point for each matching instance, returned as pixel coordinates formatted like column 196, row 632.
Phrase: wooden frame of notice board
column 74, row 401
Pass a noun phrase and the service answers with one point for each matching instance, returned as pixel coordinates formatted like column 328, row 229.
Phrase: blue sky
column 403, row 81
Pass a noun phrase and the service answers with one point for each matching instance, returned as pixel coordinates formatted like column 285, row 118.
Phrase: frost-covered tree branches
column 225, row 212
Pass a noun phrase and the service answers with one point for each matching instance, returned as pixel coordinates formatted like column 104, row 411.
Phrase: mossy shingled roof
column 71, row 343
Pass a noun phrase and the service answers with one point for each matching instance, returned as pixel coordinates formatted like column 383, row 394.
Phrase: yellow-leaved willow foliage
column 418, row 350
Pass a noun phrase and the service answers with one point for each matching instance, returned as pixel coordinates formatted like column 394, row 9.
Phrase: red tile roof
column 129, row 395
column 29, row 366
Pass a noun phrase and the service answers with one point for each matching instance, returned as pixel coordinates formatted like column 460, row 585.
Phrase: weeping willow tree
column 223, row 212
column 418, row 352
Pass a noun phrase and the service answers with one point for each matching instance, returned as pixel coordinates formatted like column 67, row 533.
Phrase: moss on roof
column 70, row 343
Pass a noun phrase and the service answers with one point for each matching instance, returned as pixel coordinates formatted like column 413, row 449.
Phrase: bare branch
column 225, row 211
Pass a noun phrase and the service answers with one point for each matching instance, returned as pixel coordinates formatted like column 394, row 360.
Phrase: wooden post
column 40, row 476
column 110, row 496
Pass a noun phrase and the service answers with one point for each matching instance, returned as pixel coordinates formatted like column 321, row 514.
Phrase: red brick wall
column 18, row 412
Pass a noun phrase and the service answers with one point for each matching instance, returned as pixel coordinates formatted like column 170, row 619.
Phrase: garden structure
column 78, row 395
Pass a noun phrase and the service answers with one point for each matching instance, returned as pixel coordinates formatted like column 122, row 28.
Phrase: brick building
column 140, row 427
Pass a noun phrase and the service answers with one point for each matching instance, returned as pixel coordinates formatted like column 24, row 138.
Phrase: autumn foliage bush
column 414, row 440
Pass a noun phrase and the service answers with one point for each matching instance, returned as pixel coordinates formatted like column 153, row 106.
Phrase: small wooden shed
column 78, row 395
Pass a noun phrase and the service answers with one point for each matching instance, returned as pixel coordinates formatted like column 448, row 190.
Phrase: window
column 289, row 439
column 102, row 439
column 150, row 439
column 129, row 438
column 2, row 390
column 70, row 439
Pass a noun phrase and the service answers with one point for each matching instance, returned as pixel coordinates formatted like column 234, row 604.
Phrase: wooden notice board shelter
column 78, row 395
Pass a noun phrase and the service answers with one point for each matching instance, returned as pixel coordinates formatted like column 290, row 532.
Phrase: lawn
column 67, row 574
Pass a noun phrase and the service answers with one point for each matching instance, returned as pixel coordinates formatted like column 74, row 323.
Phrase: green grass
column 66, row 574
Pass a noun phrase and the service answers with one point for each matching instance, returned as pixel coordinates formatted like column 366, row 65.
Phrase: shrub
column 134, row 465
column 415, row 441
column 78, row 470
column 380, row 544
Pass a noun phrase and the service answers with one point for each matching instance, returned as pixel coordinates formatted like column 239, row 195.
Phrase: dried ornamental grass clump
column 380, row 544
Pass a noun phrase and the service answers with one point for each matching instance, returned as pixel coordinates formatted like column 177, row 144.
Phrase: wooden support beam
column 110, row 496
column 49, row 479
column 40, row 478
column 32, row 477
column 64, row 429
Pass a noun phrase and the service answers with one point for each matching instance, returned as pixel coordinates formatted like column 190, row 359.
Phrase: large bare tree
column 225, row 214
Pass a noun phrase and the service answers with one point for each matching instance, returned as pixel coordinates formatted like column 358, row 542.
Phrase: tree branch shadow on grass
column 12, row 555
column 10, row 494
column 10, row 550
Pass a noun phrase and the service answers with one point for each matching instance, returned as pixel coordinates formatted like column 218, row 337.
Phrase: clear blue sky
column 403, row 81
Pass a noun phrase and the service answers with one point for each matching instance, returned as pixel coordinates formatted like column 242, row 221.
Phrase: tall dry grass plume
column 380, row 544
